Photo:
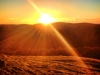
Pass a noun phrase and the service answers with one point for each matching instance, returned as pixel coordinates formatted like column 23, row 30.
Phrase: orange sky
column 21, row 11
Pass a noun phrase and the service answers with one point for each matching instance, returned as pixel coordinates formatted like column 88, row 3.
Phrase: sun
column 46, row 19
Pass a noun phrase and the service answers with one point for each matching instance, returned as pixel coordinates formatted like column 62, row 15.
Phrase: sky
column 22, row 11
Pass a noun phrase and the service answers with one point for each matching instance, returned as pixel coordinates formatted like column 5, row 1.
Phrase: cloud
column 13, row 19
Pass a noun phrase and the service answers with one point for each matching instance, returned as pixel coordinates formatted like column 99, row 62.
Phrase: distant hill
column 38, row 40
column 80, row 34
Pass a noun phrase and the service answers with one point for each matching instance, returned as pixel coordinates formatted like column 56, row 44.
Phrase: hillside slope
column 47, row 65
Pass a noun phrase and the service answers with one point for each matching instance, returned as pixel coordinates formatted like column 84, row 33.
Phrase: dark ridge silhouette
column 19, row 39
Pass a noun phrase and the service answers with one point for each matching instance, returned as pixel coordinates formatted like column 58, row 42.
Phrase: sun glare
column 46, row 19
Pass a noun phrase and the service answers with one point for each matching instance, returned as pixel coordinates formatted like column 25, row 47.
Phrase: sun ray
column 70, row 49
column 35, row 7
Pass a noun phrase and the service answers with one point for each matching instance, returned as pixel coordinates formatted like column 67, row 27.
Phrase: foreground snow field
column 47, row 65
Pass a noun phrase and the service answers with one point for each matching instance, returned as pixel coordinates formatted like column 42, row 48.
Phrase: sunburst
column 46, row 19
